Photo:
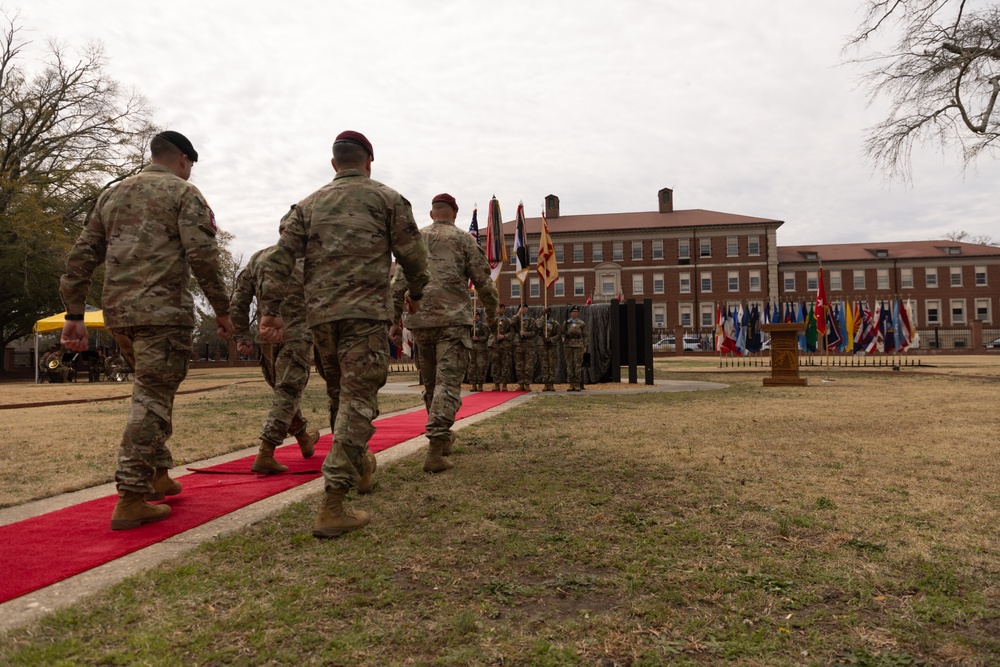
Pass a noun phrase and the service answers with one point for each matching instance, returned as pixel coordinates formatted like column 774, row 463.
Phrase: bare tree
column 66, row 132
column 941, row 78
column 963, row 236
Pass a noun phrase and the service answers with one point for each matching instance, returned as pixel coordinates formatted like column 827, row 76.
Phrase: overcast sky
column 739, row 106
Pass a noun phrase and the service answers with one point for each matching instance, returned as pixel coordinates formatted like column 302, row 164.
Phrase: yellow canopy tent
column 92, row 319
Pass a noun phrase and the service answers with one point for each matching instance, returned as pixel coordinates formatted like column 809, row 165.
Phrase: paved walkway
column 26, row 608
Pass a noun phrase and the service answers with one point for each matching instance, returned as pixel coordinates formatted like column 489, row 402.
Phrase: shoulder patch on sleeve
column 211, row 219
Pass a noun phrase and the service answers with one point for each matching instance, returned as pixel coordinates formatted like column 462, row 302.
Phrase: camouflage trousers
column 524, row 362
column 478, row 358
column 286, row 370
column 159, row 355
column 444, row 356
column 354, row 356
column 500, row 363
column 547, row 357
column 574, row 365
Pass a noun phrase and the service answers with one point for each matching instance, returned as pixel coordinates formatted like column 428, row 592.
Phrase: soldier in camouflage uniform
column 550, row 332
column 499, row 346
column 478, row 357
column 574, row 345
column 150, row 231
column 60, row 372
column 285, row 365
column 348, row 231
column 441, row 327
column 521, row 329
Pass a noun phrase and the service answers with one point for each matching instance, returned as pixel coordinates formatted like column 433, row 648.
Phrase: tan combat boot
column 163, row 485
column 435, row 461
column 368, row 466
column 333, row 520
column 307, row 442
column 265, row 462
column 132, row 511
column 446, row 447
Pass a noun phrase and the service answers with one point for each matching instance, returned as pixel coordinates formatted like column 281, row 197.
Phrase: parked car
column 993, row 343
column 690, row 343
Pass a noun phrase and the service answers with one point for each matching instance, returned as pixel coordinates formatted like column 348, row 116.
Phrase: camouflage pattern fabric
column 286, row 370
column 478, row 355
column 550, row 333
column 151, row 231
column 60, row 373
column 250, row 284
column 574, row 344
column 159, row 355
column 522, row 331
column 348, row 231
column 444, row 357
column 355, row 359
column 500, row 352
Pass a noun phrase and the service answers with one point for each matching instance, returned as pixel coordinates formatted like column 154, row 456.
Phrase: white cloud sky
column 740, row 106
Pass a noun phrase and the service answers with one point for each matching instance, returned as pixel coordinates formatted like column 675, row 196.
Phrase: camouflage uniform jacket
column 453, row 259
column 481, row 331
column 502, row 326
column 553, row 328
column 293, row 306
column 514, row 330
column 348, row 231
column 576, row 333
column 151, row 231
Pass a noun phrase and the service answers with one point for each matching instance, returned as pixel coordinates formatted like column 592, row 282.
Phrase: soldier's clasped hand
column 272, row 328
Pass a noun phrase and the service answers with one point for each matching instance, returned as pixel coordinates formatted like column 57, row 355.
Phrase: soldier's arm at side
column 86, row 255
column 239, row 307
column 397, row 288
column 408, row 247
column 479, row 273
column 196, row 226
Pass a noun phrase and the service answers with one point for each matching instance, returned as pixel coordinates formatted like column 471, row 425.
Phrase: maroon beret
column 352, row 137
column 446, row 198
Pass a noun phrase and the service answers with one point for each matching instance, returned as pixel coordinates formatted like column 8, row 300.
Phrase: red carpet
column 40, row 551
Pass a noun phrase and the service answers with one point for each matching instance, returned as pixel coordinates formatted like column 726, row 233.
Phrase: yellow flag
column 547, row 267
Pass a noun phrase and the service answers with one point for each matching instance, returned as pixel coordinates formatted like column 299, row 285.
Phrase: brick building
column 689, row 261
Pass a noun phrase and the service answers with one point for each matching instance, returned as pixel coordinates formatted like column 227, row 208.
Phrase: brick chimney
column 666, row 197
column 551, row 207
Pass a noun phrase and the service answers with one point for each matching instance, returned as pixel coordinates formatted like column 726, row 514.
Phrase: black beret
column 576, row 308
column 182, row 143
column 445, row 198
column 352, row 137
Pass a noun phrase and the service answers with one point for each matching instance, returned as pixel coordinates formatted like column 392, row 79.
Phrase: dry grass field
column 851, row 522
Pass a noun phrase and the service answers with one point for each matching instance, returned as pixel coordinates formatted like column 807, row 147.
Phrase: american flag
column 474, row 228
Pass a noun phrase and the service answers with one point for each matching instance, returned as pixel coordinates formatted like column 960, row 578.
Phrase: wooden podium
column 784, row 354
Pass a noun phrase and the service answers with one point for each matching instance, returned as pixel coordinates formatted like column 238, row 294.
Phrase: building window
column 812, row 281
column 657, row 283
column 683, row 248
column 704, row 247
column 906, row 278
column 618, row 251
column 637, row 283
column 513, row 257
column 560, row 252
column 753, row 246
column 882, row 278
column 706, row 281
column 659, row 317
column 836, row 282
column 608, row 284
column 732, row 246
column 685, row 314
column 734, row 281
column 859, row 280
column 707, row 315
column 956, row 276
column 658, row 249
column 578, row 286
column 577, row 253
column 534, row 289
column 755, row 281
column 685, row 283
column 983, row 311
column 636, row 250
column 930, row 277
column 980, row 276
column 560, row 287
column 597, row 252
column 933, row 311
column 515, row 288
column 958, row 311
column 789, row 280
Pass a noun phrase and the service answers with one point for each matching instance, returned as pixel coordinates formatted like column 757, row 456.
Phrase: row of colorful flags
column 496, row 246
column 852, row 327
